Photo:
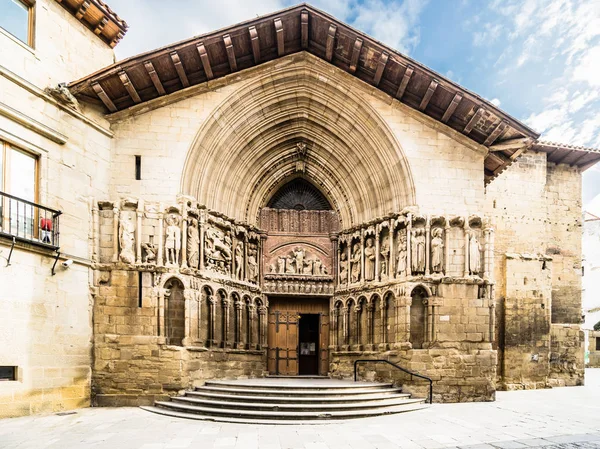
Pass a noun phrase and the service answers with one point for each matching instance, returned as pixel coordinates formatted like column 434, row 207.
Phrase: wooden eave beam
column 355, row 54
column 511, row 144
column 579, row 158
column 304, row 28
column 100, row 27
column 154, row 77
column 105, row 98
column 179, row 68
column 452, row 107
column 116, row 39
column 205, row 60
column 495, row 133
column 330, row 42
column 469, row 127
column 82, row 9
column 280, row 37
column 255, row 44
column 590, row 164
column 427, row 97
column 383, row 59
column 565, row 156
column 499, row 158
column 405, row 79
column 230, row 52
column 129, row 87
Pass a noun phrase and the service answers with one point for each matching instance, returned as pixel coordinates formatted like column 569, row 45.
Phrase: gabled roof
column 98, row 17
column 304, row 28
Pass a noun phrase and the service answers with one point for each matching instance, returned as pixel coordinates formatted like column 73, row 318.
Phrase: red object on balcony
column 46, row 224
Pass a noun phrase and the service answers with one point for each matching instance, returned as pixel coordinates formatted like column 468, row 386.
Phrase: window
column 8, row 373
column 17, row 19
column 597, row 343
column 18, row 178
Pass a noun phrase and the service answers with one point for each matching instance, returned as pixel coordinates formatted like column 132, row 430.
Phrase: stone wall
column 594, row 354
column 566, row 354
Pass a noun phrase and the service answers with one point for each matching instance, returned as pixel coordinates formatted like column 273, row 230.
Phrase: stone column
column 391, row 268
column 201, row 227
column 198, row 298
column 138, row 235
column 358, row 327
column 339, row 257
column 335, row 262
column 429, row 336
column 238, row 325
column 212, row 341
column 408, row 245
column 362, row 256
column 262, row 318
column 225, row 333
column 95, row 231
column 492, row 305
column 161, row 312
column 370, row 327
column 384, row 325
column 427, row 246
column 161, row 236
column 261, row 263
column 188, row 297
column 466, row 231
column 349, row 253
column 403, row 320
column 184, row 224
column 488, row 254
column 115, row 233
column 333, row 327
column 447, row 247
column 345, row 336
column 251, row 320
column 377, row 256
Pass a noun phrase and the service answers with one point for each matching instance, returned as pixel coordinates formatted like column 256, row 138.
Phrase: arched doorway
column 418, row 316
column 175, row 313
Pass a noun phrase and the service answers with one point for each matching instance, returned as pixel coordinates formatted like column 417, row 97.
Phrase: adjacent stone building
column 283, row 196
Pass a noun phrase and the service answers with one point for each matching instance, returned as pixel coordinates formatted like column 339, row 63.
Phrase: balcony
column 28, row 222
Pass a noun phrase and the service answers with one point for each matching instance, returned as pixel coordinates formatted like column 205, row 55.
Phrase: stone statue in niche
column 299, row 255
column 437, row 250
column 218, row 250
column 343, row 268
column 370, row 259
column 355, row 269
column 126, row 238
column 401, row 257
column 173, row 240
column 384, row 251
column 239, row 260
column 193, row 243
column 149, row 252
column 418, row 251
column 252, row 263
column 474, row 254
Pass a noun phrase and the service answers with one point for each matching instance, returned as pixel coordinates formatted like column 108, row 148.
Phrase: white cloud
column 588, row 68
column 496, row 102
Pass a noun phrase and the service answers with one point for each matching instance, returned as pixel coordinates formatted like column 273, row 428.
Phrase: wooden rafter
column 179, row 68
column 205, row 60
column 330, row 42
column 427, row 97
column 511, row 144
column 304, row 28
column 452, row 107
column 495, row 133
column 578, row 158
column 280, row 37
column 405, row 79
column 230, row 52
column 154, row 77
column 383, row 59
column 499, row 158
column 129, row 87
column 355, row 54
column 82, row 9
column 255, row 44
column 565, row 156
column 103, row 97
column 469, row 127
column 100, row 27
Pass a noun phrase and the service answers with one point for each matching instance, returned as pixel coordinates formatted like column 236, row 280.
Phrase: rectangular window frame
column 15, row 374
column 30, row 5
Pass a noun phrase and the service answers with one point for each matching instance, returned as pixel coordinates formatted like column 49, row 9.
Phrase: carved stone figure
column 437, row 250
column 149, row 252
column 173, row 240
column 385, row 253
column 474, row 255
column 401, row 257
column 370, row 260
column 193, row 242
column 289, row 265
column 253, row 263
column 355, row 269
column 239, row 260
column 218, row 250
column 299, row 254
column 62, row 94
column 308, row 267
column 343, row 268
column 317, row 266
column 418, row 251
column 281, row 265
column 126, row 238
column 272, row 268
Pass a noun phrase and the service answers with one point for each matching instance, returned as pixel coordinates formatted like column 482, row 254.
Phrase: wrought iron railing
column 28, row 222
column 356, row 362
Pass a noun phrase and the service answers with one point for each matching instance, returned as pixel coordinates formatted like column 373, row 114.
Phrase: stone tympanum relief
column 218, row 248
column 298, row 261
column 149, row 250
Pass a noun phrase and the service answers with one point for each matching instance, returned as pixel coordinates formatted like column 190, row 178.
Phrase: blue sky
column 539, row 60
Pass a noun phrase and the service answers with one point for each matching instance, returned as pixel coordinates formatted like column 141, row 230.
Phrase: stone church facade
column 285, row 196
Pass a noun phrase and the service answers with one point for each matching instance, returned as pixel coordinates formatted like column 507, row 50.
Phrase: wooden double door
column 298, row 336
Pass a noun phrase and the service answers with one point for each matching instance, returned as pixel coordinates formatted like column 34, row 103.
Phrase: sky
column 538, row 60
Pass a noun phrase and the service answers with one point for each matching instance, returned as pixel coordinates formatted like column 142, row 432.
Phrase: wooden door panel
column 324, row 345
column 283, row 343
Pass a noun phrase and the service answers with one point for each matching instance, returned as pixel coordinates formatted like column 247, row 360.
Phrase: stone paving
column 561, row 418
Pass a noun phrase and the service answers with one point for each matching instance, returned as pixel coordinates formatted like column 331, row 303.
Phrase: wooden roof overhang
column 575, row 156
column 98, row 17
column 304, row 28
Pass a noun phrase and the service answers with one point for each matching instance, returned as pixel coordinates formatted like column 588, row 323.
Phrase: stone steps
column 287, row 401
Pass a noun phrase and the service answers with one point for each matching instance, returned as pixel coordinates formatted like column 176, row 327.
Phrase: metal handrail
column 29, row 222
column 356, row 362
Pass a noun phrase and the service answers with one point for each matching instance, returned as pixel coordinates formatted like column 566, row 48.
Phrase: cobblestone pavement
column 560, row 418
